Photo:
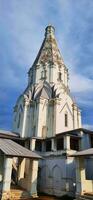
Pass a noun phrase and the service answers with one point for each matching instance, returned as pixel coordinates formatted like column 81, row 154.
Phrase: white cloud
column 88, row 126
column 80, row 83
column 82, row 89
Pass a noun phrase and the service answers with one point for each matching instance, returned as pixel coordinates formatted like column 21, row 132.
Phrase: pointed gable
column 43, row 90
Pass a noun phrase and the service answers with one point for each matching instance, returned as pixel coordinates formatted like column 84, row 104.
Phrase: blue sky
column 22, row 25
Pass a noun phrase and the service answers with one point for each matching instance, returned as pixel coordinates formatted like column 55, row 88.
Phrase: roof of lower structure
column 11, row 148
column 4, row 132
column 84, row 153
column 10, row 135
column 75, row 131
column 16, row 136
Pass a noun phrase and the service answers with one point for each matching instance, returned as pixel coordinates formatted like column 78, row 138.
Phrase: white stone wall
column 64, row 106
column 48, row 114
column 56, row 176
column 52, row 74
column 41, row 113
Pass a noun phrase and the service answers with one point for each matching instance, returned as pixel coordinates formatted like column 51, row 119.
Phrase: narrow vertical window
column 45, row 73
column 34, row 131
column 60, row 76
column 42, row 74
column 31, row 80
column 18, row 125
column 66, row 120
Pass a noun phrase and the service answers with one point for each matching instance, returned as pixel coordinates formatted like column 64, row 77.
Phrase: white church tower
column 46, row 107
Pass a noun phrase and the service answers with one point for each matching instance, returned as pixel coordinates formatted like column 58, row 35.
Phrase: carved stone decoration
column 27, row 97
column 49, row 51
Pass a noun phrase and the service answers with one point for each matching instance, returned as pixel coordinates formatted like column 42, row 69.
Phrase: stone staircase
column 86, row 196
column 19, row 194
column 16, row 194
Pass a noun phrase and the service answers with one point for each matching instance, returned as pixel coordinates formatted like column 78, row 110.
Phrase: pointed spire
column 49, row 52
column 49, row 65
column 49, row 31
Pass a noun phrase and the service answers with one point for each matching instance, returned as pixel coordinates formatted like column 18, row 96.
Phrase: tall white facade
column 46, row 107
column 48, row 122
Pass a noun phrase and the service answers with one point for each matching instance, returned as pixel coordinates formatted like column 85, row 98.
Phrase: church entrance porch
column 25, row 180
column 84, row 174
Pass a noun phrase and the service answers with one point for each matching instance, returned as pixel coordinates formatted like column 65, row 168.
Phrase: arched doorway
column 57, row 180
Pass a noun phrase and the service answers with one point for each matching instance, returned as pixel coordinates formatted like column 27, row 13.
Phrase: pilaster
column 80, row 176
column 21, row 168
column 75, row 116
column 53, row 145
column 56, row 113
column 32, row 178
column 7, row 174
column 32, row 144
column 79, row 118
column 67, row 142
column 26, row 104
column 39, row 117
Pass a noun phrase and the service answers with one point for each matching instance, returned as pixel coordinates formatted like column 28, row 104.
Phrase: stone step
column 23, row 196
column 16, row 195
column 88, row 197
column 16, row 198
column 89, row 194
column 85, row 197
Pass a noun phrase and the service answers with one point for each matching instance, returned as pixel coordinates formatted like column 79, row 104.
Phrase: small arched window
column 66, row 120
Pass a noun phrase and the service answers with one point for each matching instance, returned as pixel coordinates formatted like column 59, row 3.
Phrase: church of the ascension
column 47, row 150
